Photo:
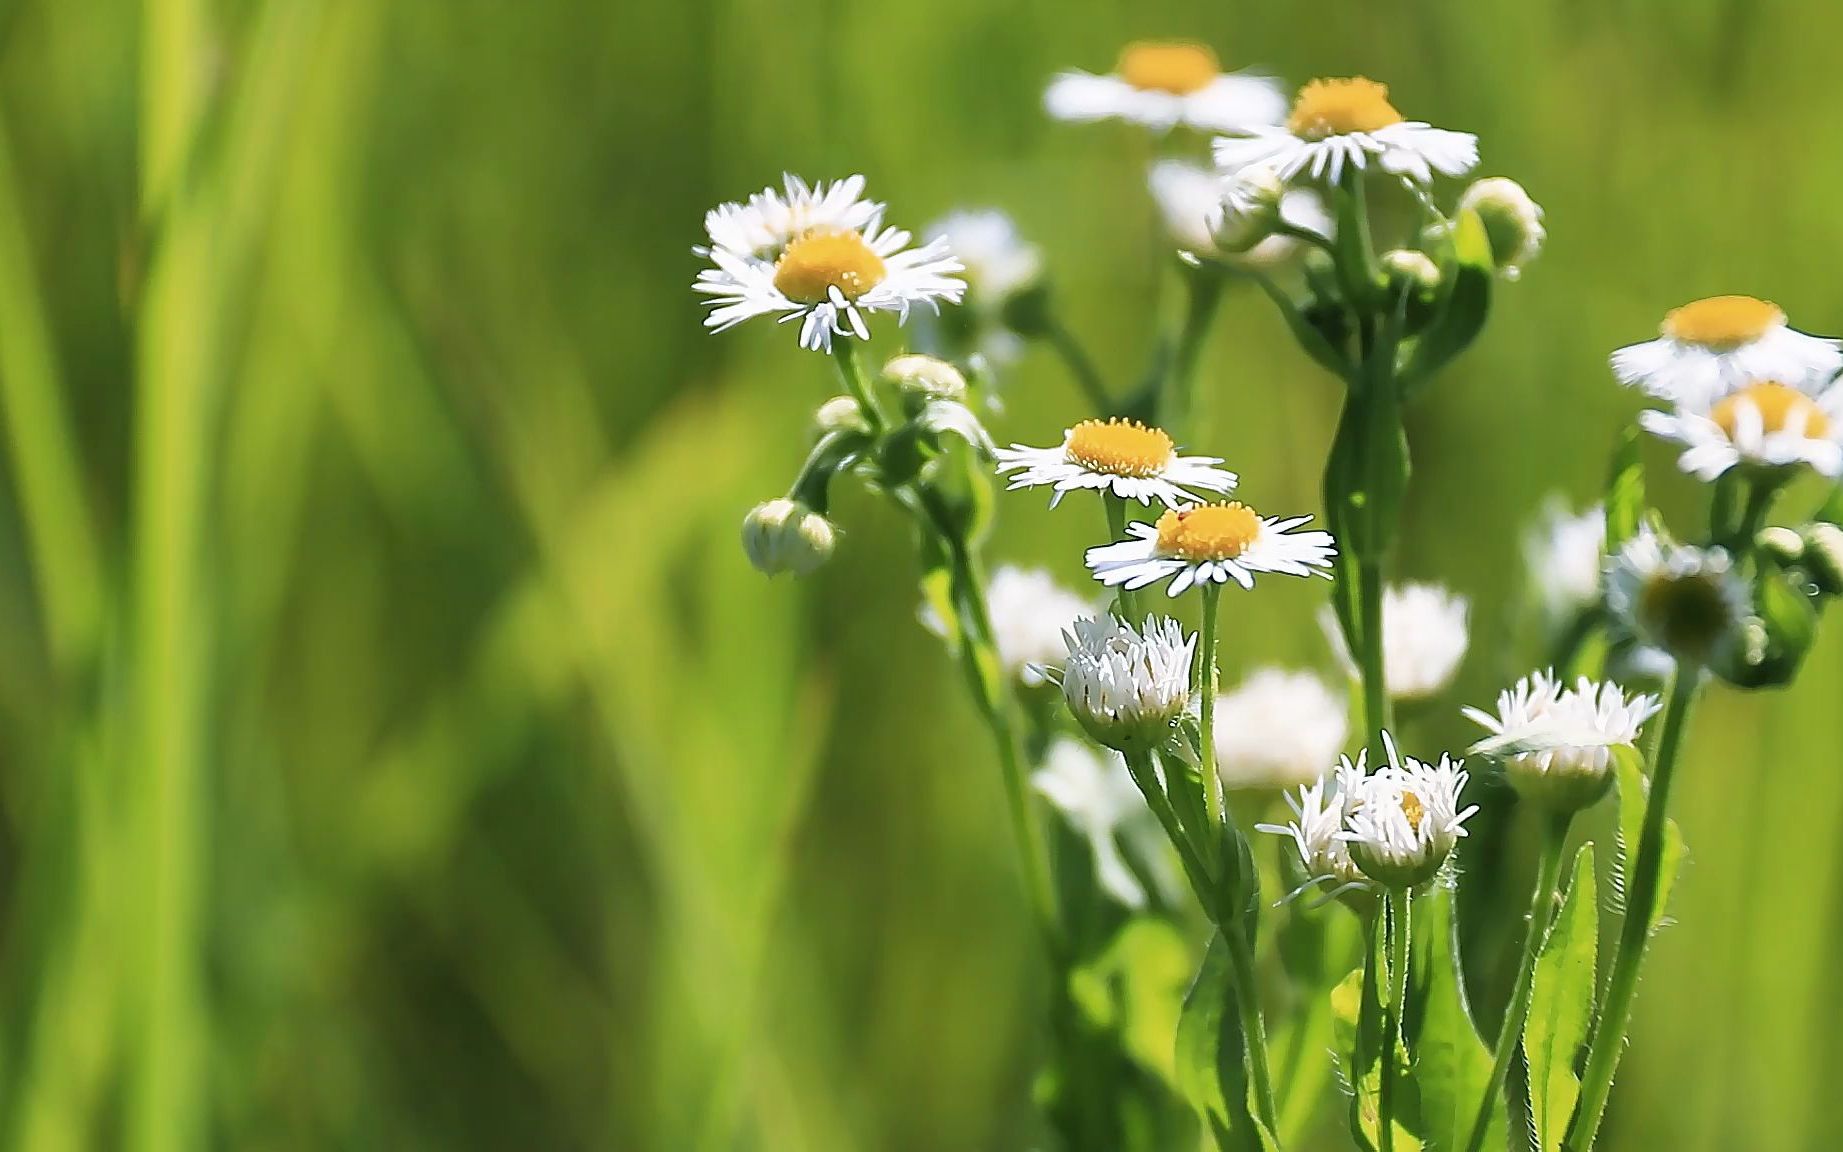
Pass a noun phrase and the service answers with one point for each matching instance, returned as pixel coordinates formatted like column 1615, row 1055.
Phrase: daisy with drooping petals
column 1407, row 819
column 1339, row 122
column 1766, row 424
column 829, row 276
column 1557, row 745
column 1096, row 794
column 1029, row 612
column 1211, row 543
column 1127, row 688
column 1320, row 813
column 1278, row 729
column 1424, row 637
column 1164, row 83
column 771, row 219
column 1125, row 457
column 1197, row 204
column 1711, row 347
column 1678, row 601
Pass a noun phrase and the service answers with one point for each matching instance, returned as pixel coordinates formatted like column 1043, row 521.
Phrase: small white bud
column 840, row 414
column 1250, row 209
column 1406, row 265
column 926, row 378
column 1823, row 557
column 786, row 536
column 1513, row 222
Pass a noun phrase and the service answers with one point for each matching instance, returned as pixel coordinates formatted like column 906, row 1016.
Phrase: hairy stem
column 1400, row 908
column 1206, row 721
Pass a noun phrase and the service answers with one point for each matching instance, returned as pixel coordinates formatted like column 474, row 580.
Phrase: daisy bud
column 1557, row 746
column 1412, row 268
column 1250, row 209
column 1127, row 688
column 1405, row 819
column 1513, row 222
column 840, row 414
column 1782, row 544
column 786, row 536
column 923, row 378
column 1823, row 557
column 1682, row 601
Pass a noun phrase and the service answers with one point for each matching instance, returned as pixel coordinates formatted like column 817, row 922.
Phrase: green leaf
column 1561, row 1008
column 1452, row 1063
column 1464, row 306
column 1211, row 1062
column 1356, row 1005
column 1145, row 969
column 1633, row 789
column 1625, row 491
column 1306, row 333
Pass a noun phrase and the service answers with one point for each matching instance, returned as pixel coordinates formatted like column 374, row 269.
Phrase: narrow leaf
column 1210, row 1066
column 1633, row 789
column 1625, row 491
column 1561, row 1008
column 1452, row 1063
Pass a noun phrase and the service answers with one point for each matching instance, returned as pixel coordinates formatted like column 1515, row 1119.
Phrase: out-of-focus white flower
column 1338, row 122
column 1423, row 640
column 1682, row 602
column 1513, row 222
column 998, row 264
column 1201, row 209
column 1096, row 795
column 1163, row 83
column 1709, row 348
column 1127, row 688
column 1563, row 552
column 1278, row 729
column 1320, row 815
column 1557, row 745
column 1030, row 612
column 1765, row 424
column 1211, row 543
column 1125, row 457
column 1406, row 819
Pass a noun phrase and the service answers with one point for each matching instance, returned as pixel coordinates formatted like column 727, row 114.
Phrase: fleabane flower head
column 1406, row 819
column 1339, row 122
column 1030, row 612
column 1513, row 222
column 1562, row 553
column 1321, row 811
column 1163, row 83
column 1709, row 348
column 1765, row 424
column 1129, row 459
column 1097, row 796
column 1278, row 729
column 1127, row 688
column 1211, row 543
column 1424, row 637
column 998, row 265
column 1684, row 602
column 1557, row 745
column 1231, row 219
column 827, row 266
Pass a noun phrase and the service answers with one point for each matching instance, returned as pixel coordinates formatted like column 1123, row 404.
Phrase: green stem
column 1178, row 414
column 1370, row 663
column 1305, row 236
column 1206, row 708
column 1080, row 365
column 1254, row 1033
column 844, row 354
column 1400, row 908
column 1356, row 256
column 1541, row 913
column 1139, row 765
column 1635, row 932
column 1126, row 602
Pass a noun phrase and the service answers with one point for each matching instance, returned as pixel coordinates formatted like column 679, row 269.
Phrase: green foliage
column 1452, row 1063
column 1628, row 768
column 1561, row 1009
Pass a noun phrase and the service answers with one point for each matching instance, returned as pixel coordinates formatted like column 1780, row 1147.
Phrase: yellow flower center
column 1337, row 107
column 1778, row 405
column 818, row 262
column 1179, row 67
column 1209, row 531
column 1119, row 447
column 1413, row 809
column 1723, row 322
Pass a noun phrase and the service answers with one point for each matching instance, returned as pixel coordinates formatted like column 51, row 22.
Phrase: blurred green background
column 396, row 750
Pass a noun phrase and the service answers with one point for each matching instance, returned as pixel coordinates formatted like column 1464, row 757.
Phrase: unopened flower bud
column 1513, row 222
column 786, row 536
column 925, row 378
column 1824, row 557
column 1250, row 209
column 1782, row 544
column 1408, row 266
column 840, row 414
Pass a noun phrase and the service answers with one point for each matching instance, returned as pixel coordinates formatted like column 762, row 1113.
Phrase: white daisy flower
column 1125, row 457
column 1563, row 553
column 1557, row 745
column 1406, row 819
column 1164, row 83
column 1198, row 206
column 1211, row 543
column 1029, row 612
column 1709, row 348
column 1424, row 636
column 1127, row 687
column 771, row 219
column 828, row 277
column 1681, row 602
column 998, row 264
column 1096, row 795
column 1278, row 729
column 1766, row 424
column 1338, row 122
column 1320, row 813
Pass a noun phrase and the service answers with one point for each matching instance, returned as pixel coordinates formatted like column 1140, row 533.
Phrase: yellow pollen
column 1209, row 531
column 1778, row 405
column 1336, row 107
column 1179, row 67
column 818, row 262
column 1723, row 322
column 1119, row 447
column 1413, row 809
